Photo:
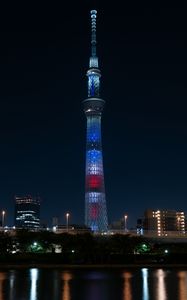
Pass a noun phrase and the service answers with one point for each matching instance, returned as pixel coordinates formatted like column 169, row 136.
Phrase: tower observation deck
column 95, row 202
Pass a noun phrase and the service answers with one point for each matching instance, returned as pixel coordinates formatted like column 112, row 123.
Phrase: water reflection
column 33, row 288
column 161, row 285
column 11, row 285
column 145, row 295
column 182, row 275
column 136, row 284
column 66, row 277
column 127, row 288
column 2, row 279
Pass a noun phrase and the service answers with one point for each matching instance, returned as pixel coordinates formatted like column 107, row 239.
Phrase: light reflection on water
column 66, row 277
column 182, row 280
column 96, row 285
column 2, row 279
column 114, row 284
column 160, row 285
column 11, row 285
column 33, row 288
column 145, row 295
column 127, row 292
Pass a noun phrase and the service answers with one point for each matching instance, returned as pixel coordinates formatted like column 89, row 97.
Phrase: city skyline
column 43, row 57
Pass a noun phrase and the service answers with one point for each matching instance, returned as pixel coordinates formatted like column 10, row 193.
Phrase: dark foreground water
column 92, row 284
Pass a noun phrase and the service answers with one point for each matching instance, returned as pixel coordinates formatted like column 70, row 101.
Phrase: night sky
column 44, row 55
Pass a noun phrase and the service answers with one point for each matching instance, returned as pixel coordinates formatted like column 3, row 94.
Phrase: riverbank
column 94, row 266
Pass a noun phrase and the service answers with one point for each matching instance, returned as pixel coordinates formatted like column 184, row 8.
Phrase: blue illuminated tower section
column 95, row 203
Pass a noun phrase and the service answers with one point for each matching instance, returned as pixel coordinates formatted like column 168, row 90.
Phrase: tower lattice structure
column 95, row 202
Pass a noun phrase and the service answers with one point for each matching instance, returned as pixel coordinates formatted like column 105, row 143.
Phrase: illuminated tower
column 95, row 203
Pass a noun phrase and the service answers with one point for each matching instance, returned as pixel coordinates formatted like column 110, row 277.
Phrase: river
column 93, row 284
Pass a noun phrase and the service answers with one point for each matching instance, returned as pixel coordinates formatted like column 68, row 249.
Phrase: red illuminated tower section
column 95, row 203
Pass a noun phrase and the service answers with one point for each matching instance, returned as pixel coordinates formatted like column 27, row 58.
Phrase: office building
column 164, row 222
column 27, row 212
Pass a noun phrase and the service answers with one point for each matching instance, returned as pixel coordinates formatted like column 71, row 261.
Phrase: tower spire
column 93, row 58
column 93, row 27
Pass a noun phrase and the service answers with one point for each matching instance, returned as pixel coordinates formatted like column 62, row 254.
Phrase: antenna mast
column 93, row 27
column 93, row 58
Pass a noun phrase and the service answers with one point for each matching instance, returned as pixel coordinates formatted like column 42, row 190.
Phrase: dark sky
column 44, row 54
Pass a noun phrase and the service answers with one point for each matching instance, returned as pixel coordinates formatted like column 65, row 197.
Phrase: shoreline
column 97, row 266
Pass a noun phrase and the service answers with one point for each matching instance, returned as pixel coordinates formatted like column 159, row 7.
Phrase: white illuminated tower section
column 95, row 203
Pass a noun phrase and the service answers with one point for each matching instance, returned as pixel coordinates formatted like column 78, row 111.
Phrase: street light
column 67, row 221
column 125, row 218
column 3, row 218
